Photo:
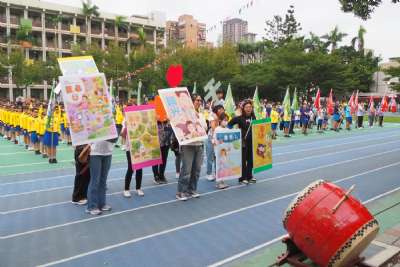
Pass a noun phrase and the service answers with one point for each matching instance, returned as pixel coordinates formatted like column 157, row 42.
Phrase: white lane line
column 278, row 163
column 382, row 135
column 31, row 152
column 207, row 193
column 333, row 145
column 45, row 162
column 272, row 241
column 135, row 240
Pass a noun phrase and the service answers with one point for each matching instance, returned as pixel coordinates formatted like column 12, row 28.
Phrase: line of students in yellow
column 29, row 126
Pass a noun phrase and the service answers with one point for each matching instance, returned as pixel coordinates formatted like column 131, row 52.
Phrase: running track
column 39, row 226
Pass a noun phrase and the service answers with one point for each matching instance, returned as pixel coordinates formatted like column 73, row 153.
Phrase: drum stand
column 295, row 257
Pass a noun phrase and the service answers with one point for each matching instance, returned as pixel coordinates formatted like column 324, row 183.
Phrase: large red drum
column 329, row 238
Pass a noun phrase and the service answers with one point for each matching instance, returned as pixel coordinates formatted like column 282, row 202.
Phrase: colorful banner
column 262, row 145
column 88, row 107
column 84, row 65
column 228, row 153
column 184, row 120
column 143, row 136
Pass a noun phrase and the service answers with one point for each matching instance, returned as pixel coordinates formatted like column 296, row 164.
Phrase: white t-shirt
column 101, row 148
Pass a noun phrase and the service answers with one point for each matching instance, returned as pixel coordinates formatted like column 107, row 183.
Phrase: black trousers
column 247, row 161
column 380, row 121
column 129, row 173
column 81, row 179
column 360, row 121
column 159, row 170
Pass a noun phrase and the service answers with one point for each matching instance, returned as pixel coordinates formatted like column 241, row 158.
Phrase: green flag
column 295, row 103
column 286, row 103
column 195, row 88
column 229, row 105
column 257, row 105
column 139, row 93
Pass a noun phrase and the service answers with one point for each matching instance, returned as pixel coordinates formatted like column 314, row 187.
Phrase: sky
column 317, row 16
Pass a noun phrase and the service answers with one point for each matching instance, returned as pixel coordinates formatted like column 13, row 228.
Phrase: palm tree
column 314, row 43
column 55, row 20
column 89, row 11
column 119, row 23
column 333, row 38
column 142, row 38
column 359, row 39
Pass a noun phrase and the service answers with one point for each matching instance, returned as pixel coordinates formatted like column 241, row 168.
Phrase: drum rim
column 299, row 198
column 368, row 227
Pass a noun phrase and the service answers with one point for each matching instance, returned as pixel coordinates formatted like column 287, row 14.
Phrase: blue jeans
column 99, row 167
column 210, row 155
column 192, row 158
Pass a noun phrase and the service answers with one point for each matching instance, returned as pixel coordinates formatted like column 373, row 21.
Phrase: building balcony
column 65, row 27
column 96, row 31
column 109, row 32
column 3, row 18
column 51, row 25
column 37, row 23
column 14, row 20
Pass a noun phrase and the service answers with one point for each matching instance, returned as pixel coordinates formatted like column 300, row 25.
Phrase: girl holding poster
column 244, row 122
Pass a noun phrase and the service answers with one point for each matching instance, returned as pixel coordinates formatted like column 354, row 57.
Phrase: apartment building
column 187, row 31
column 55, row 28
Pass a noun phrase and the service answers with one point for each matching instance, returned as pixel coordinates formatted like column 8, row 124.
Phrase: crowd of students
column 27, row 124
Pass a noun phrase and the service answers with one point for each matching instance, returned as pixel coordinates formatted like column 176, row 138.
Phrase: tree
column 142, row 38
column 281, row 30
column 55, row 20
column 89, row 11
column 362, row 8
column 359, row 39
column 334, row 38
column 314, row 43
column 120, row 21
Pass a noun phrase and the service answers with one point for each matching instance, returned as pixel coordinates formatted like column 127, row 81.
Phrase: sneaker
column 44, row 156
column 210, row 177
column 163, row 180
column 55, row 161
column 30, row 148
column 126, row 193
column 244, row 182
column 194, row 194
column 116, row 145
column 222, row 185
column 81, row 202
column 156, row 181
column 177, row 175
column 106, row 208
column 253, row 180
column 140, row 192
column 123, row 148
column 37, row 152
column 94, row 212
column 181, row 197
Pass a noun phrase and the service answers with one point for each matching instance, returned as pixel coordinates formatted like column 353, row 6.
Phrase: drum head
column 300, row 197
column 355, row 245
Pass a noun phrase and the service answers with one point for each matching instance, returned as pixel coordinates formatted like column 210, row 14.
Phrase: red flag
column 329, row 106
column 393, row 105
column 371, row 104
column 317, row 102
column 384, row 104
column 356, row 100
column 351, row 104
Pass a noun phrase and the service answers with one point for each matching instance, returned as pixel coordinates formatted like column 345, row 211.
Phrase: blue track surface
column 40, row 226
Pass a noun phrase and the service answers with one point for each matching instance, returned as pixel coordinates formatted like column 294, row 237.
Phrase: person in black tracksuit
column 244, row 122
column 82, row 178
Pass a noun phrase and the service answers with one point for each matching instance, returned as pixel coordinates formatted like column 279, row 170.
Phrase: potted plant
column 24, row 36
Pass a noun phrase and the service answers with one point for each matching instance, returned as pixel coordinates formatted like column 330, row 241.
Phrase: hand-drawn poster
column 70, row 66
column 262, row 145
column 228, row 153
column 143, row 136
column 185, row 121
column 88, row 107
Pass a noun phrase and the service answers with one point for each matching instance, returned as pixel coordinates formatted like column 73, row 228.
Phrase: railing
column 14, row 20
column 109, row 32
column 37, row 23
column 3, row 18
column 83, row 28
column 96, row 30
column 123, row 34
column 3, row 39
column 50, row 24
column 65, row 27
